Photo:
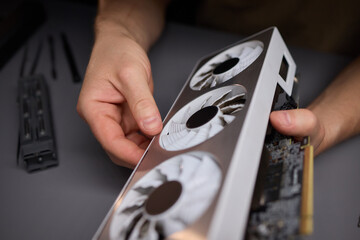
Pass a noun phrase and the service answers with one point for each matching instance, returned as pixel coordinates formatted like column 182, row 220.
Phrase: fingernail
column 285, row 118
column 152, row 123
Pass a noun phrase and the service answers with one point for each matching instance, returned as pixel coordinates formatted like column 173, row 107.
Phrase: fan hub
column 226, row 66
column 202, row 117
column 163, row 197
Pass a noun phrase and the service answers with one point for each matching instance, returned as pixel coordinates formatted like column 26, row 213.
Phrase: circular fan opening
column 226, row 65
column 203, row 118
column 168, row 198
column 157, row 203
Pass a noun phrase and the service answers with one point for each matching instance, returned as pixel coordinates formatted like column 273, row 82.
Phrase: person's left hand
column 116, row 97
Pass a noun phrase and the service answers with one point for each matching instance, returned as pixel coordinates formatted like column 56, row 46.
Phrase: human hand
column 300, row 123
column 326, row 121
column 116, row 97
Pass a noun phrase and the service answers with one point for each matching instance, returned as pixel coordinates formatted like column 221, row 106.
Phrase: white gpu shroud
column 196, row 179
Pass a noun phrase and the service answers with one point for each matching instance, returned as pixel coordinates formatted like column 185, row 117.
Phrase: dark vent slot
column 284, row 68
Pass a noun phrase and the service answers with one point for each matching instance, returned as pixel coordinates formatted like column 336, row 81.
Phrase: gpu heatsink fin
column 189, row 182
column 226, row 65
column 202, row 118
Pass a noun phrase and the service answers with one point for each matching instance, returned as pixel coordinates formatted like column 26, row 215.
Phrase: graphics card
column 218, row 170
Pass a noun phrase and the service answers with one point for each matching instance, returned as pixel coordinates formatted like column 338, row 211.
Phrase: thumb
column 298, row 123
column 142, row 104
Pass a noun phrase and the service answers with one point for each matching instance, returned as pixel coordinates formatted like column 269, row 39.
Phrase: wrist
column 110, row 28
column 140, row 20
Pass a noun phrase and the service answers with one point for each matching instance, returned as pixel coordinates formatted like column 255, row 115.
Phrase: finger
column 119, row 162
column 139, row 140
column 115, row 142
column 128, row 122
column 138, row 94
column 298, row 123
column 144, row 144
column 107, row 130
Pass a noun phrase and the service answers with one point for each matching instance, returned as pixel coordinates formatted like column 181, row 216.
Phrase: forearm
column 338, row 107
column 141, row 20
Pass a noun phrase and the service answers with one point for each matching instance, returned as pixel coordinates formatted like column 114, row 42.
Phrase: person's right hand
column 300, row 123
column 116, row 97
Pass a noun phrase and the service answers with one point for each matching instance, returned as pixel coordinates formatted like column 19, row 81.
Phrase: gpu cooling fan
column 226, row 65
column 203, row 118
column 189, row 182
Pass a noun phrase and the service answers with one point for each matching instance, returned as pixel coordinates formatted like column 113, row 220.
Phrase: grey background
column 71, row 200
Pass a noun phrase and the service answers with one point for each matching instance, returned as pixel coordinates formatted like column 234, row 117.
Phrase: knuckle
column 143, row 104
column 130, row 72
column 127, row 71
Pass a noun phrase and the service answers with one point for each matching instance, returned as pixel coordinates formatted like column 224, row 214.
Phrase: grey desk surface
column 70, row 201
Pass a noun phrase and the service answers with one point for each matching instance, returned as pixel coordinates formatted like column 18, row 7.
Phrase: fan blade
column 232, row 108
column 186, row 115
column 134, row 203
column 250, row 58
column 206, row 72
column 147, row 187
column 176, row 127
column 246, row 52
column 138, row 230
column 170, row 139
column 152, row 232
column 214, row 82
column 121, row 224
column 181, row 142
column 200, row 190
column 201, row 135
column 206, row 82
column 221, row 98
column 238, row 98
column 204, row 103
column 188, row 168
column 228, row 118
column 172, row 171
column 215, row 128
column 171, row 225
